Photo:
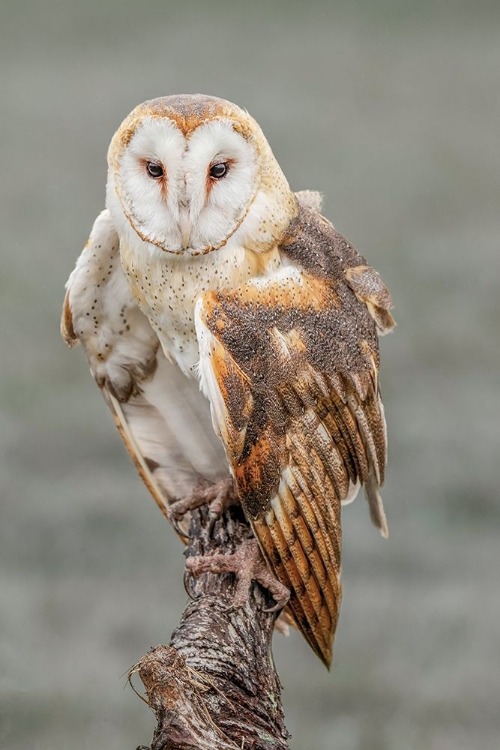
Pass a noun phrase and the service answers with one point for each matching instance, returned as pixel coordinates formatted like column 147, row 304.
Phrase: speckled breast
column 167, row 288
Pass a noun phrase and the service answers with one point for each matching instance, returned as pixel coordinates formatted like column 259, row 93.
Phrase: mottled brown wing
column 290, row 364
column 161, row 415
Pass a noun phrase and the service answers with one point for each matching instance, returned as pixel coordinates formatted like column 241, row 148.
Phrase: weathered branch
column 215, row 687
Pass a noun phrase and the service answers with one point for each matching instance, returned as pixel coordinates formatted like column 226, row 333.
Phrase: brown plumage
column 296, row 362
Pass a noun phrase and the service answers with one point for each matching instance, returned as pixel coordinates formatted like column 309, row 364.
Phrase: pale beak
column 184, row 226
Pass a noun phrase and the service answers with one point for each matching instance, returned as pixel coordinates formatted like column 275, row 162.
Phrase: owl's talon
column 279, row 605
column 248, row 565
column 187, row 588
column 186, row 582
column 212, row 520
column 175, row 523
column 218, row 497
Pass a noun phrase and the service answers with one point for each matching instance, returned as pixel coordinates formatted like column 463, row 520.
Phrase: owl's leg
column 248, row 565
column 218, row 497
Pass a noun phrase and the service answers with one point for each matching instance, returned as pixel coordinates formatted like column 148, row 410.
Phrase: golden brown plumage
column 295, row 360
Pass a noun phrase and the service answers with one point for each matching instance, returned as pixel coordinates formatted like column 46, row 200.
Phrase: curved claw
column 281, row 604
column 213, row 517
column 247, row 565
column 277, row 607
column 186, row 580
column 174, row 520
column 217, row 496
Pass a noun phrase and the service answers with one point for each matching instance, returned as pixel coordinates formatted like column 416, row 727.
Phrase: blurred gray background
column 392, row 109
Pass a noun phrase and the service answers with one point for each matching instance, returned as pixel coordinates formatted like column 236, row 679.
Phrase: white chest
column 168, row 286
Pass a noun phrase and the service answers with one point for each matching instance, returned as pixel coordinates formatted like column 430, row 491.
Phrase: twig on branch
column 215, row 686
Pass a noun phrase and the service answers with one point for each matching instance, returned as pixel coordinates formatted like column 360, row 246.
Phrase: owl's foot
column 218, row 497
column 248, row 565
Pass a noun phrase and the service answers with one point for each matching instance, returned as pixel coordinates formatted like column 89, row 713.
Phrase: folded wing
column 290, row 365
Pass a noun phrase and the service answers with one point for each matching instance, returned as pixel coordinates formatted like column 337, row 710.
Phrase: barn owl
column 233, row 333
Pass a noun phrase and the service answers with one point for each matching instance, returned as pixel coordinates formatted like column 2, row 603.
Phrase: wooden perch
column 215, row 686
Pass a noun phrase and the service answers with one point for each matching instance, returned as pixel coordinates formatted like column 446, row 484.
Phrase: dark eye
column 219, row 170
column 154, row 169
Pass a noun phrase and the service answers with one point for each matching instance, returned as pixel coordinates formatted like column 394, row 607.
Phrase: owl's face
column 188, row 173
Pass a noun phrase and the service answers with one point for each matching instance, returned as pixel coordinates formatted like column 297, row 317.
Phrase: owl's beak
column 184, row 225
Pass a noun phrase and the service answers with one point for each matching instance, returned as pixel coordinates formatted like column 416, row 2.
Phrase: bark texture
column 215, row 686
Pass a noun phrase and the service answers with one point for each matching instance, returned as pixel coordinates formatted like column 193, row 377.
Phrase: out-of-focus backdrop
column 392, row 110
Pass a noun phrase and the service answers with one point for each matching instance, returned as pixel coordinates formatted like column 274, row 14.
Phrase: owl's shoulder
column 315, row 245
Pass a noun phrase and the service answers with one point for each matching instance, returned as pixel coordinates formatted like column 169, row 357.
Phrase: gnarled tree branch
column 215, row 686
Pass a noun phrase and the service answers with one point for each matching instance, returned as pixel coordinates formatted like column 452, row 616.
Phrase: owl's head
column 189, row 173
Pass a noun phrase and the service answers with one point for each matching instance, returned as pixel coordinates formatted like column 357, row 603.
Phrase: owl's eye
column 154, row 169
column 219, row 170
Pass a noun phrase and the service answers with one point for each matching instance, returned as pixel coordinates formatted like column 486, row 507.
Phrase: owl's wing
column 290, row 365
column 162, row 416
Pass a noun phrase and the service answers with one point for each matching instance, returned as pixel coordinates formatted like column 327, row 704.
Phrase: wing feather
column 319, row 527
column 303, row 606
column 161, row 415
column 289, row 363
column 304, row 524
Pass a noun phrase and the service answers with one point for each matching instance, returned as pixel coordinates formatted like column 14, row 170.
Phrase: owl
column 233, row 333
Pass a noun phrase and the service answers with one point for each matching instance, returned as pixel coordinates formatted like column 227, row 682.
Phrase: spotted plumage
column 233, row 332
